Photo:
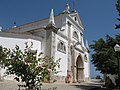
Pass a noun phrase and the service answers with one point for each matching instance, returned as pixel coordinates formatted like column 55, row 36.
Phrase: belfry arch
column 79, row 69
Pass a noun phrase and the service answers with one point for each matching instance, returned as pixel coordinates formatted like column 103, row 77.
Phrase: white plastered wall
column 63, row 56
column 10, row 43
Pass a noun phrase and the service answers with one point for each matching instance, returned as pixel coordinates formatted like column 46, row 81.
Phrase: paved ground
column 76, row 86
column 12, row 85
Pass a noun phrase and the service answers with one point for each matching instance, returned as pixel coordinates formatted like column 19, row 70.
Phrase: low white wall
column 10, row 43
column 112, row 77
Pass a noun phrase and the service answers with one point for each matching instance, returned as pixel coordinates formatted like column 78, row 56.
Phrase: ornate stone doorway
column 79, row 69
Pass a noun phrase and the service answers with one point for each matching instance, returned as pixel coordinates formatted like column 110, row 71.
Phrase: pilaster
column 73, row 68
column 69, row 47
column 50, row 40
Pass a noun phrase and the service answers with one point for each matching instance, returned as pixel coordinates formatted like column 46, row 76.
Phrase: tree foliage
column 27, row 65
column 104, row 57
column 118, row 9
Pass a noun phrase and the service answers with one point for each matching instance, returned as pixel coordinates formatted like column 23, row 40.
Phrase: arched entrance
column 79, row 69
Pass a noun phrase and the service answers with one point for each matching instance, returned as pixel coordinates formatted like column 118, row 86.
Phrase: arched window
column 75, row 19
column 85, row 57
column 75, row 35
column 61, row 47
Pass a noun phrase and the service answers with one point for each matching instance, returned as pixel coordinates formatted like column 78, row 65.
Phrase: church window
column 81, row 34
column 61, row 47
column 75, row 35
column 85, row 57
column 75, row 19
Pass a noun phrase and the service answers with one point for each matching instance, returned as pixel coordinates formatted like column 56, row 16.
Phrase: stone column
column 88, row 67
column 69, row 48
column 73, row 65
column 75, row 73
column 50, row 40
column 0, row 75
column 48, row 43
column 53, row 44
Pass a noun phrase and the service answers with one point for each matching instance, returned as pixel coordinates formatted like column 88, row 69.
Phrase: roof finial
column 51, row 19
column 66, row 8
column 14, row 25
column 87, row 46
column 0, row 28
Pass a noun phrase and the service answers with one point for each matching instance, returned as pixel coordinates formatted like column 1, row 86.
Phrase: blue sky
column 98, row 16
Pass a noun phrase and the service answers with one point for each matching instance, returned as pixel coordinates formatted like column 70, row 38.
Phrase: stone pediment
column 76, row 18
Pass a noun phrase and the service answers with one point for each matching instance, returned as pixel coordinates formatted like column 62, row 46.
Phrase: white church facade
column 59, row 36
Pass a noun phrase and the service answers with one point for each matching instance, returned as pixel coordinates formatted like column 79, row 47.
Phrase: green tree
column 104, row 57
column 118, row 9
column 26, row 65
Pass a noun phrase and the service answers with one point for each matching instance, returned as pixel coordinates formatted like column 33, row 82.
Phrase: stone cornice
column 51, row 27
column 79, row 50
column 19, row 35
column 62, row 35
column 76, row 13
